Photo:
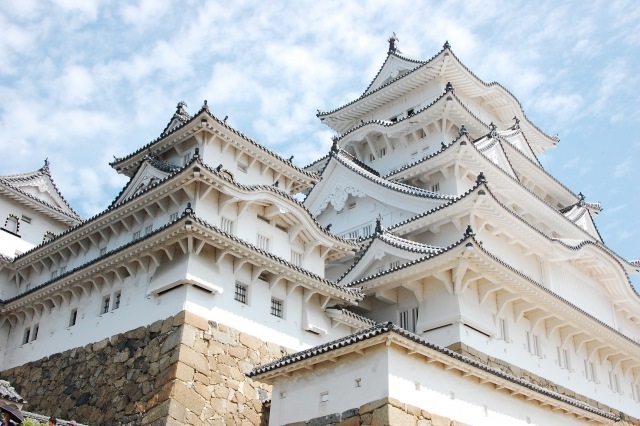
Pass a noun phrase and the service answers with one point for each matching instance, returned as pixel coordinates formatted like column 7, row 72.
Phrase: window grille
column 116, row 301
column 383, row 152
column 263, row 242
column 63, row 270
column 26, row 219
column 226, row 225
column 372, row 157
column 276, row 307
column 435, row 187
column 503, row 330
column 105, row 304
column 148, row 229
column 241, row 293
column 54, row 274
column 296, row 258
column 394, row 264
column 103, row 251
column 173, row 217
column 409, row 319
column 136, row 235
column 186, row 158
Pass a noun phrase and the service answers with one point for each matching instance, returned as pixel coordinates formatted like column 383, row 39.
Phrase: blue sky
column 82, row 81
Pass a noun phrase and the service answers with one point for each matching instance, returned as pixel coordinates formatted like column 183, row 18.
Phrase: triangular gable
column 149, row 173
column 580, row 215
column 490, row 147
column 342, row 177
column 39, row 186
column 384, row 253
column 393, row 67
column 180, row 117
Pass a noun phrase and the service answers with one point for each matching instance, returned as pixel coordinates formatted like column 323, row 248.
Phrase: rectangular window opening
column 173, row 217
column 27, row 333
column 106, row 301
column 73, row 318
column 226, row 225
column 136, row 235
column 116, row 301
column 34, row 333
column 241, row 293
column 276, row 307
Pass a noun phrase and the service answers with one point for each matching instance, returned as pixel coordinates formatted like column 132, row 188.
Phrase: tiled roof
column 389, row 327
column 205, row 111
column 346, row 312
column 185, row 217
column 43, row 172
column 8, row 393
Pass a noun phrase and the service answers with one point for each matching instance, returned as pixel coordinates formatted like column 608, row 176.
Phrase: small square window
column 26, row 219
column 116, row 300
column 73, row 318
column 226, row 225
column 296, row 258
column 241, row 293
column 263, row 242
column 276, row 307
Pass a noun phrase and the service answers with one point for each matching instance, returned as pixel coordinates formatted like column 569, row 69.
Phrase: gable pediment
column 146, row 175
column 393, row 68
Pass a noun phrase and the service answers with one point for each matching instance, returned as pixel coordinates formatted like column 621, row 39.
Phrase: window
column 366, row 230
column 73, row 318
column 63, row 270
column 106, row 301
column 241, row 293
column 116, row 300
column 103, row 251
column 263, row 242
column 564, row 360
column 296, row 258
column 503, row 331
column 12, row 224
column 372, row 157
column 243, row 167
column 410, row 112
column 27, row 333
column 26, row 219
column 590, row 371
column 148, row 229
column 409, row 319
column 173, row 217
column 614, row 382
column 276, row 307
column 635, row 392
column 28, row 287
column 186, row 158
column 383, row 151
column 226, row 225
column 352, row 206
column 34, row 332
column 394, row 264
column 54, row 274
column 136, row 235
column 435, row 187
column 533, row 344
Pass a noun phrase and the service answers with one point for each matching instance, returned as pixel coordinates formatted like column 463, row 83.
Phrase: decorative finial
column 181, row 106
column 205, row 106
column 46, row 163
column 224, row 120
column 188, row 210
column 581, row 199
column 448, row 87
column 446, row 45
column 469, row 231
column 379, row 228
column 276, row 183
column 462, row 131
column 493, row 130
column 328, row 228
column 481, row 178
column 219, row 167
column 334, row 147
column 196, row 154
column 517, row 122
column 392, row 44
column 442, row 145
column 290, row 159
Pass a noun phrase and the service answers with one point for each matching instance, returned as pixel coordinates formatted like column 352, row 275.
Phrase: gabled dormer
column 153, row 169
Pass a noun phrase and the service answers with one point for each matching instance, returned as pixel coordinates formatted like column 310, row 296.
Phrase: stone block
column 100, row 345
column 370, row 406
column 396, row 416
column 193, row 359
column 238, row 352
column 251, row 342
column 324, row 420
column 351, row 421
column 437, row 420
column 173, row 339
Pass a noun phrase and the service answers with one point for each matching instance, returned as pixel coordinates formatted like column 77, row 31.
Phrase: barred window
column 409, row 319
column 136, row 235
column 241, row 293
column 173, row 217
column 276, row 307
column 105, row 304
column 226, row 225
column 263, row 242
column 148, row 229
column 116, row 302
column 296, row 258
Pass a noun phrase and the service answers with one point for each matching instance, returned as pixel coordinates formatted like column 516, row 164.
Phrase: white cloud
column 76, row 85
column 623, row 169
column 145, row 12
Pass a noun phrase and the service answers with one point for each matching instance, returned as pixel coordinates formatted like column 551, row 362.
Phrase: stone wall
column 383, row 412
column 180, row 371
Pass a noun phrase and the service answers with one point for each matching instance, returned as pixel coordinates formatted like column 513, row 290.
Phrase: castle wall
column 184, row 370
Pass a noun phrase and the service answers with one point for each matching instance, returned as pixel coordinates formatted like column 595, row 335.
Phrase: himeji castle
column 435, row 274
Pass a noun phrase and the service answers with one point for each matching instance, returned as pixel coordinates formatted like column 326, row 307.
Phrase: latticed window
column 409, row 319
column 503, row 330
column 276, row 307
column 263, row 242
column 148, row 229
column 296, row 258
column 241, row 293
column 226, row 225
column 136, row 235
column 105, row 304
column 116, row 301
column 174, row 216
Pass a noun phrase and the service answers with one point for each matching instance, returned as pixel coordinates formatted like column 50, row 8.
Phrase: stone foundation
column 180, row 371
column 383, row 412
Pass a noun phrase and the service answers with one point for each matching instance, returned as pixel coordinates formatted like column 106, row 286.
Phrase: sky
column 82, row 81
